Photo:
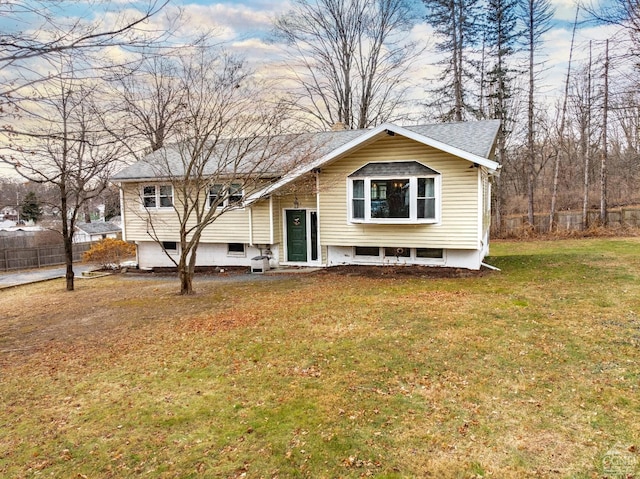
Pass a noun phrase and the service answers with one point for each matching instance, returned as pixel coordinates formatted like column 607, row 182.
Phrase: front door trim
column 309, row 237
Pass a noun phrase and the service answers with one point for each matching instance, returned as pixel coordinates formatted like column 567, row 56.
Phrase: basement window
column 398, row 252
column 367, row 251
column 429, row 253
column 235, row 249
column 170, row 246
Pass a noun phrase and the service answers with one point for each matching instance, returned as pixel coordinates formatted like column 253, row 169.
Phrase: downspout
column 250, row 225
column 122, row 211
column 319, row 243
column 271, row 232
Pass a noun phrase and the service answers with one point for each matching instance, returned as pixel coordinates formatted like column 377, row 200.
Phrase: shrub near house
column 110, row 253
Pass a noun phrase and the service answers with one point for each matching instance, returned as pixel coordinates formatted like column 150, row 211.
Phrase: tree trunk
column 530, row 123
column 68, row 257
column 187, row 268
column 586, row 150
column 186, row 280
column 603, row 163
column 556, row 166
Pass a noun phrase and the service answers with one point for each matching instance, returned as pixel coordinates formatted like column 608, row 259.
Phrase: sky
column 245, row 26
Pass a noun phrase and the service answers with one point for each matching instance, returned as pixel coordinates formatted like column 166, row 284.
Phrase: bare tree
column 349, row 59
column 149, row 103
column 64, row 145
column 225, row 149
column 536, row 17
column 561, row 132
column 38, row 31
column 605, row 140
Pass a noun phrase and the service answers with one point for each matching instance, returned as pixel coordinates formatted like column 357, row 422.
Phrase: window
column 428, row 252
column 398, row 252
column 426, row 198
column 394, row 192
column 358, row 199
column 235, row 248
column 170, row 245
column 221, row 195
column 153, row 196
column 367, row 251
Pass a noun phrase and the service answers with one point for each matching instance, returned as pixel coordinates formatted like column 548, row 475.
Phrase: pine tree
column 456, row 23
column 30, row 207
column 500, row 39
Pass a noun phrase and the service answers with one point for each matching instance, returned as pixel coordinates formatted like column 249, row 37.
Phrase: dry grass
column 531, row 372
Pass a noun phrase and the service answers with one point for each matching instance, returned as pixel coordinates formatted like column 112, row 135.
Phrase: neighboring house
column 87, row 232
column 387, row 195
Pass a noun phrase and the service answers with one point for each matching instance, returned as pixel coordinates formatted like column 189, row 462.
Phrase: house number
column 296, row 221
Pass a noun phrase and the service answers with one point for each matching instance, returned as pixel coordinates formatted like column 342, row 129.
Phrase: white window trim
column 413, row 256
column 157, row 196
column 413, row 200
column 240, row 205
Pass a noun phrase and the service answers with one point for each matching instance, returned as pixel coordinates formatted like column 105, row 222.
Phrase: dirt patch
column 402, row 271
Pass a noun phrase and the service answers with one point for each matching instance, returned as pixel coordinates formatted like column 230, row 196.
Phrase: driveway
column 17, row 278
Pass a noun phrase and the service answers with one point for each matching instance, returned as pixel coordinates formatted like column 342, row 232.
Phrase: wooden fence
column 24, row 258
column 515, row 225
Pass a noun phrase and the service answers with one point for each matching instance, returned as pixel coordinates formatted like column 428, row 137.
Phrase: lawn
column 528, row 372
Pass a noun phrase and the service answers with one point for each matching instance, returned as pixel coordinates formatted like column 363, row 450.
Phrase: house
column 95, row 231
column 386, row 195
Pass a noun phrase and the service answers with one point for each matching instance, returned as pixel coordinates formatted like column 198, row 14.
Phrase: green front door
column 297, row 235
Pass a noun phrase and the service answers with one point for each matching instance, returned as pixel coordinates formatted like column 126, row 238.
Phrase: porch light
column 296, row 204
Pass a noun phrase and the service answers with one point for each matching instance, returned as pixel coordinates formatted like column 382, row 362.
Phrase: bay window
column 394, row 192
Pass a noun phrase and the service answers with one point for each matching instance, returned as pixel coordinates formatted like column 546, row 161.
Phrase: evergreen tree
column 30, row 208
column 500, row 39
column 456, row 23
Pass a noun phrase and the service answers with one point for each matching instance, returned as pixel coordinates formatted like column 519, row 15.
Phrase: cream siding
column 231, row 227
column 261, row 222
column 458, row 227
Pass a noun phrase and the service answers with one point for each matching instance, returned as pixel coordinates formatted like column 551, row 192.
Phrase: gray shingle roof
column 99, row 227
column 409, row 168
column 475, row 137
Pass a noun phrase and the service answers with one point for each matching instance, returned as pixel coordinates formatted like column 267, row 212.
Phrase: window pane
column 421, row 187
column 367, row 251
column 166, row 196
column 235, row 194
column 170, row 245
column 430, row 210
column 427, row 208
column 149, row 196
column 428, row 253
column 400, row 252
column 426, row 188
column 430, row 187
column 214, row 193
column 390, row 198
column 358, row 209
column 358, row 188
column 236, row 248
